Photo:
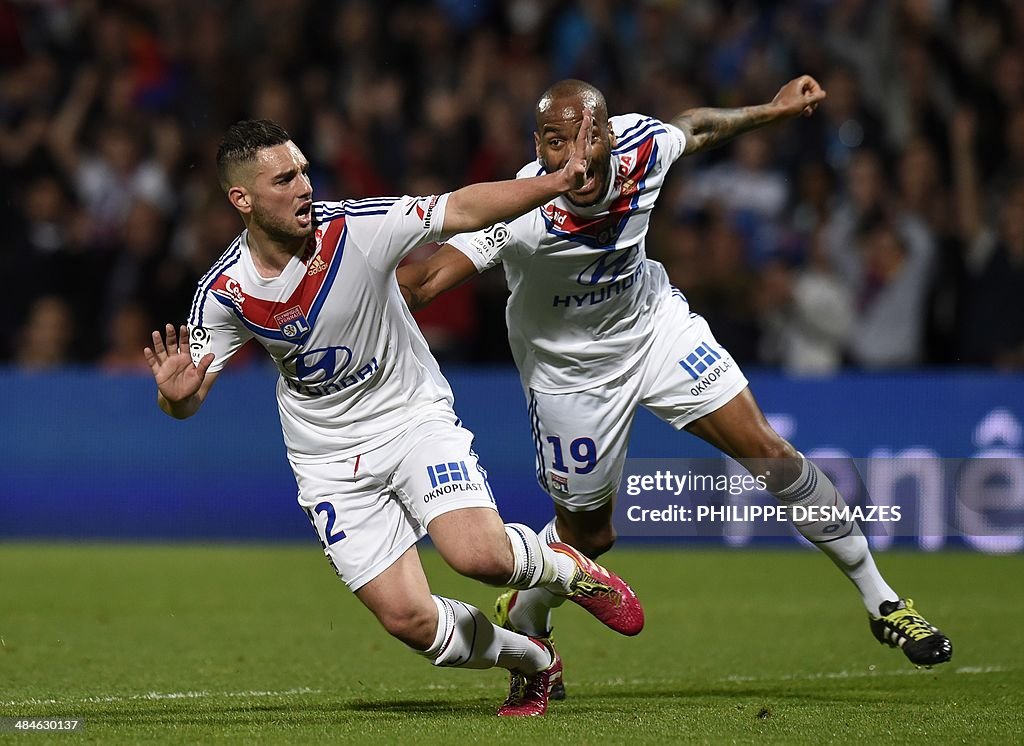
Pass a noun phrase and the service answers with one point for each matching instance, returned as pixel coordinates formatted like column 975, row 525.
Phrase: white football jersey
column 354, row 367
column 582, row 287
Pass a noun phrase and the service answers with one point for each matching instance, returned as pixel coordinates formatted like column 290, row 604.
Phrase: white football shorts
column 370, row 509
column 581, row 437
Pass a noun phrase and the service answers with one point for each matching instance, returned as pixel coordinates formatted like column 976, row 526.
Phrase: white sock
column 467, row 639
column 530, row 612
column 536, row 564
column 846, row 545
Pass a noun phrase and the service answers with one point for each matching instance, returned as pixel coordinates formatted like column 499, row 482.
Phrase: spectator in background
column 853, row 32
column 919, row 97
column 45, row 209
column 848, row 124
column 1011, row 166
column 111, row 173
column 992, row 314
column 47, row 250
column 724, row 294
column 498, row 154
column 993, row 309
column 592, row 39
column 813, row 201
column 891, row 293
column 123, row 102
column 864, row 193
column 806, row 313
column 750, row 191
column 44, row 341
column 28, row 95
column 920, row 191
column 680, row 249
column 884, row 257
column 34, row 246
column 140, row 249
column 127, row 333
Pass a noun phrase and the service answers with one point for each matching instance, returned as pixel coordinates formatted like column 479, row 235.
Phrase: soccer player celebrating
column 378, row 454
column 596, row 329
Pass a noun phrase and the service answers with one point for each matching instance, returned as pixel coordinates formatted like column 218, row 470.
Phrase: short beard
column 277, row 229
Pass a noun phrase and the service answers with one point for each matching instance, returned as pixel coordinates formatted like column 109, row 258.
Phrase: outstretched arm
column 708, row 128
column 481, row 205
column 445, row 269
column 182, row 385
column 965, row 177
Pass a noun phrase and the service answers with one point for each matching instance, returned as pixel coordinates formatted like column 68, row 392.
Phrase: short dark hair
column 243, row 141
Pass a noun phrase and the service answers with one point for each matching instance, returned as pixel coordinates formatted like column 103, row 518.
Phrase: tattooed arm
column 708, row 128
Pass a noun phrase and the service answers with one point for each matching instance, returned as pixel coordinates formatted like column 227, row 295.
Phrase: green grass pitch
column 190, row 644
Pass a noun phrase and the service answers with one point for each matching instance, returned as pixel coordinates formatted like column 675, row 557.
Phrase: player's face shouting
column 282, row 194
column 556, row 133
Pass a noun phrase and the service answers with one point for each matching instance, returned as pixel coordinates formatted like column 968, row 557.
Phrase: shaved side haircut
column 242, row 142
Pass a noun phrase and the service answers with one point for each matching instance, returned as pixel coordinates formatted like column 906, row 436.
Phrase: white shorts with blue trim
column 368, row 510
column 581, row 437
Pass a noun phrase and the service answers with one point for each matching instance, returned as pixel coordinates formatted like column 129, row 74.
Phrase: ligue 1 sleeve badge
column 199, row 343
column 293, row 324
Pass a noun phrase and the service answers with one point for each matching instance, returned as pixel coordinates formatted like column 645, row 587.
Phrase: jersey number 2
column 329, row 533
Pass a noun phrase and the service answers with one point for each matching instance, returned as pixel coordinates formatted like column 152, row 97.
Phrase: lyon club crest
column 293, row 324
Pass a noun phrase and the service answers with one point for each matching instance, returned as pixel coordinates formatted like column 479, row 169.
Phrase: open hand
column 800, row 96
column 177, row 377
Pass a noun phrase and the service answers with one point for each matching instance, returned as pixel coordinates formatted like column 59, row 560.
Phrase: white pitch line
column 157, row 696
column 734, row 679
column 738, row 679
column 970, row 670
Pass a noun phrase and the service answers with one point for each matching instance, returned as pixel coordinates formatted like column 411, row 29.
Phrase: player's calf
column 592, row 531
column 592, row 542
column 839, row 537
column 409, row 622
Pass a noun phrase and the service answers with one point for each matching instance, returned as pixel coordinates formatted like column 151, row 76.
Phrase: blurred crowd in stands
column 885, row 232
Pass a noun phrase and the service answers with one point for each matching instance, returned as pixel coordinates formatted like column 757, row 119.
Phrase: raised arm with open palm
column 180, row 381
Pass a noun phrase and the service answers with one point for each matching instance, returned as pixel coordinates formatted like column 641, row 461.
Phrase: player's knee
column 486, row 564
column 770, row 445
column 474, row 544
column 413, row 625
column 773, row 457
